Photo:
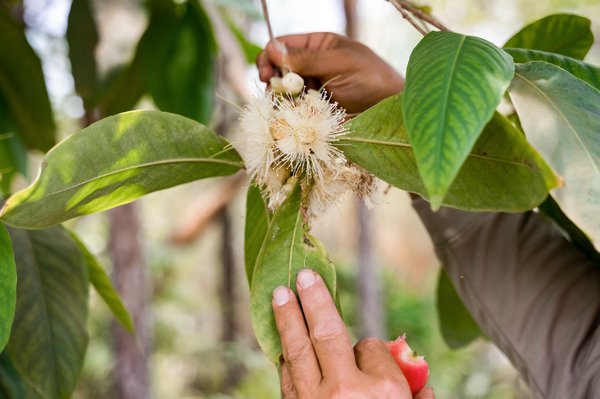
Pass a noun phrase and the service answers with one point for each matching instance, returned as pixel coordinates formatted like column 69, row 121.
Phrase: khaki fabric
column 533, row 294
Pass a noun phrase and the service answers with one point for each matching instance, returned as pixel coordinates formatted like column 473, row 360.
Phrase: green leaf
column 564, row 34
column 179, row 59
column 453, row 85
column 8, row 286
column 101, row 282
column 82, row 37
column 116, row 161
column 23, row 88
column 49, row 336
column 579, row 239
column 584, row 71
column 12, row 386
column 457, row 326
column 257, row 224
column 561, row 117
column 13, row 159
column 287, row 249
column 502, row 172
column 122, row 88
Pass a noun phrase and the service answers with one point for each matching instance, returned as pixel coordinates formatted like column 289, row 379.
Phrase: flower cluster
column 288, row 134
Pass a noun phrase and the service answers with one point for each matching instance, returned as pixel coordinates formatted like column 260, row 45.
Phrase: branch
column 409, row 12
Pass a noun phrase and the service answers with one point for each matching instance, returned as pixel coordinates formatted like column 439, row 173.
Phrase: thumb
column 305, row 62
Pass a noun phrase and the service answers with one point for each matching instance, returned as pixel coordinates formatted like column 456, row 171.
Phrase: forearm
column 531, row 291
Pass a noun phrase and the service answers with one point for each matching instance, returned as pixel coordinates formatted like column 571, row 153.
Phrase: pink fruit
column 414, row 367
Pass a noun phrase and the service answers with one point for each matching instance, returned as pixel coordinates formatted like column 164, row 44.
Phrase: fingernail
column 306, row 278
column 281, row 296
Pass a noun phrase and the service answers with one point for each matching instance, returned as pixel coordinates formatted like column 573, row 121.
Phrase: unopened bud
column 277, row 85
column 293, row 83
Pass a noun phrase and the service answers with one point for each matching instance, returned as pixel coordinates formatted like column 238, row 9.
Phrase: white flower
column 286, row 138
column 257, row 145
column 306, row 130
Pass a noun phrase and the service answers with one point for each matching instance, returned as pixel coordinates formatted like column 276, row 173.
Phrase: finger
column 287, row 386
column 373, row 357
column 265, row 69
column 314, row 40
column 327, row 330
column 425, row 393
column 307, row 62
column 297, row 347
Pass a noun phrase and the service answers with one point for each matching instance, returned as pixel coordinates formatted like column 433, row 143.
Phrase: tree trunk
column 131, row 281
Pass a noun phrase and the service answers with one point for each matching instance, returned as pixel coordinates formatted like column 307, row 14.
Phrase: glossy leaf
column 8, row 286
column 23, row 88
column 82, row 37
column 49, row 334
column 257, row 223
column 561, row 117
column 101, row 282
column 565, row 34
column 582, row 70
column 453, row 85
column 287, row 249
column 12, row 386
column 502, row 172
column 117, row 160
column 179, row 59
column 580, row 240
column 457, row 326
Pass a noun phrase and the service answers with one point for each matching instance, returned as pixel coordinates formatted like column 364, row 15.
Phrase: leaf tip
column 436, row 202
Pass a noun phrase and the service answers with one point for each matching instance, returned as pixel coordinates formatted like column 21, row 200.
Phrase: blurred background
column 177, row 256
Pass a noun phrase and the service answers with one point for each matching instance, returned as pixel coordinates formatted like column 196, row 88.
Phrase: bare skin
column 355, row 76
column 319, row 361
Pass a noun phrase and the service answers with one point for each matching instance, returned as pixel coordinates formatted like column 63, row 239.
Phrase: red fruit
column 414, row 367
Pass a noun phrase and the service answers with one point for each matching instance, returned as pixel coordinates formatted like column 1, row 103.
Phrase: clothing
column 533, row 294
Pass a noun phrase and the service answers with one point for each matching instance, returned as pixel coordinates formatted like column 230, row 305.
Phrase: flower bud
column 277, row 85
column 293, row 83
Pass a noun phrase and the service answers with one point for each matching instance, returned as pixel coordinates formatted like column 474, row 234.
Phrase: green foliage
column 178, row 56
column 564, row 34
column 101, row 282
column 12, row 385
column 258, row 218
column 584, row 71
column 8, row 286
column 23, row 88
column 287, row 249
column 501, row 173
column 122, row 88
column 49, row 334
column 82, row 37
column 456, row 324
column 13, row 159
column 453, row 85
column 115, row 161
column 561, row 117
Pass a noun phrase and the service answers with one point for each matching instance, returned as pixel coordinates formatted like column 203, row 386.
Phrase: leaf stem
column 410, row 13
column 265, row 10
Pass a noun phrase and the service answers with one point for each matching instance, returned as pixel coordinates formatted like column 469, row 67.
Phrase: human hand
column 355, row 76
column 319, row 360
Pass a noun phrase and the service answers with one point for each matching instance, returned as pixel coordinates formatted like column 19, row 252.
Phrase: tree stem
column 409, row 12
